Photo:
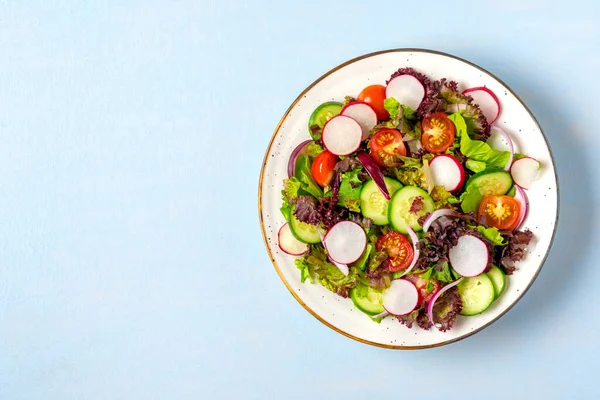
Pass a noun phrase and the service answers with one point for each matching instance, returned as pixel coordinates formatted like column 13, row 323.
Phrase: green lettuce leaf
column 392, row 106
column 313, row 149
column 445, row 275
column 291, row 187
column 442, row 197
column 350, row 187
column 476, row 166
column 476, row 149
column 492, row 234
column 315, row 267
column 470, row 198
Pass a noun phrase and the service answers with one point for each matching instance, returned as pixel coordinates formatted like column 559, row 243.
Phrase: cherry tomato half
column 374, row 96
column 398, row 248
column 501, row 212
column 322, row 167
column 437, row 132
column 386, row 145
column 421, row 285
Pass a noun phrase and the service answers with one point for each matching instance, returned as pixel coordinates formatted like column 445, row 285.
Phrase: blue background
column 131, row 260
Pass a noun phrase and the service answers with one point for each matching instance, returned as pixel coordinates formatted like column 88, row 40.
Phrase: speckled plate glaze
column 349, row 79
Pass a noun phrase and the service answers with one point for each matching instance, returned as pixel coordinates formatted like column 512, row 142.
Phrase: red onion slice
column 415, row 241
column 510, row 146
column 375, row 172
column 294, row 157
column 437, row 296
column 435, row 215
column 521, row 197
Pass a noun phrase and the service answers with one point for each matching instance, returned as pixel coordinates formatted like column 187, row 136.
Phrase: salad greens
column 421, row 180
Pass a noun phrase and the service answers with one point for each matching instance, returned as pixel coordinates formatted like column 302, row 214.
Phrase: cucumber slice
column 372, row 203
column 304, row 232
column 491, row 183
column 367, row 299
column 322, row 114
column 399, row 214
column 498, row 278
column 361, row 263
column 477, row 294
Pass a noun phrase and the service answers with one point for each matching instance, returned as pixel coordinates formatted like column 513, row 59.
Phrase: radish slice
column 521, row 197
column 415, row 243
column 294, row 157
column 497, row 141
column 363, row 114
column 525, row 171
column 487, row 101
column 342, row 267
column 470, row 256
column 447, row 171
column 345, row 242
column 452, row 108
column 288, row 242
column 400, row 298
column 435, row 215
column 407, row 90
column 375, row 172
column 342, row 135
column 437, row 296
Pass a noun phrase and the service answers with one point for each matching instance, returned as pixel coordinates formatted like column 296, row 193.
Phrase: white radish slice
column 407, row 90
column 416, row 252
column 437, row 214
column 525, row 171
column 437, row 296
column 400, row 298
column 288, row 242
column 521, row 197
column 469, row 257
column 342, row 135
column 487, row 101
column 345, row 242
column 447, row 171
column 363, row 114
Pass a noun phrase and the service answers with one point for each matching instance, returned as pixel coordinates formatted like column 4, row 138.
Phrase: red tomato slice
column 398, row 248
column 501, row 212
column 374, row 96
column 421, row 285
column 322, row 167
column 386, row 145
column 437, row 132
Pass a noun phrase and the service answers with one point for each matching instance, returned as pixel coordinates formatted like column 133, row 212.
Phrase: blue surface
column 131, row 260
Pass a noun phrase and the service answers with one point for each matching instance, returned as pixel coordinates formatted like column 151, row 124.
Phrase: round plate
column 349, row 79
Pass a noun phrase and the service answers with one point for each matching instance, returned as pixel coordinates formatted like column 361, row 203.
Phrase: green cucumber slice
column 367, row 299
column 498, row 278
column 399, row 214
column 304, row 232
column 321, row 115
column 491, row 183
column 477, row 294
column 372, row 203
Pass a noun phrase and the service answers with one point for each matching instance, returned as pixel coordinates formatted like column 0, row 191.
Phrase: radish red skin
column 287, row 251
column 492, row 94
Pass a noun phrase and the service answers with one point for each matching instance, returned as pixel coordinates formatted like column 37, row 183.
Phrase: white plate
column 349, row 79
